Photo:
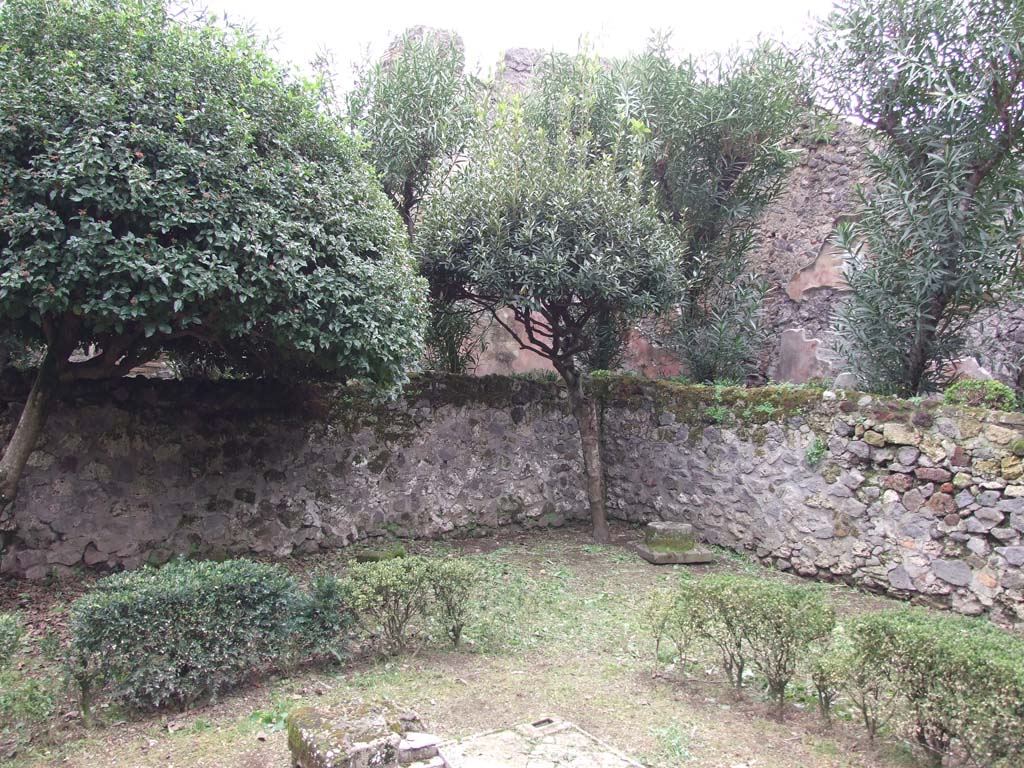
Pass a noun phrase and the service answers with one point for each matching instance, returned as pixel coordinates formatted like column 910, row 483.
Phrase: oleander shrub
column 981, row 394
column 387, row 596
column 958, row 682
column 168, row 637
column 11, row 633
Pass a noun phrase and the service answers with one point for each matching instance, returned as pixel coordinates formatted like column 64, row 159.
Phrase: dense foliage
column 958, row 683
column 749, row 622
column 981, row 394
column 416, row 108
column 550, row 223
column 168, row 637
column 938, row 239
column 387, row 596
column 165, row 183
column 716, row 155
column 199, row 193
column 949, row 684
column 707, row 138
column 395, row 596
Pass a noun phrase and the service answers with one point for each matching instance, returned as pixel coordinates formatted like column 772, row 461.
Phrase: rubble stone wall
column 914, row 499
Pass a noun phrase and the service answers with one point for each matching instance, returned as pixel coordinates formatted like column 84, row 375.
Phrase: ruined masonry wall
column 912, row 499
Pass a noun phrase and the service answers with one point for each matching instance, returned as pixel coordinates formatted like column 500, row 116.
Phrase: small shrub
column 981, row 394
column 323, row 617
column 387, row 596
column 665, row 619
column 453, row 583
column 11, row 633
column 716, row 609
column 782, row 623
column 959, row 682
column 750, row 621
column 816, row 453
column 171, row 636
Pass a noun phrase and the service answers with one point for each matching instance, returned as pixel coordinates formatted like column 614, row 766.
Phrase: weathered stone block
column 1001, row 435
column 932, row 474
column 366, row 737
column 874, row 439
column 671, row 543
column 677, row 537
column 900, row 434
column 955, row 572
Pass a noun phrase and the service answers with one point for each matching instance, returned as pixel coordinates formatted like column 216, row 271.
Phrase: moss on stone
column 831, row 471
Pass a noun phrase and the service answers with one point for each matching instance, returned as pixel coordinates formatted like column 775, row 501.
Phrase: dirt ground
column 581, row 653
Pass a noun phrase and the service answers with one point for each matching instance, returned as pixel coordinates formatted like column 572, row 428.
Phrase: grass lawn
column 579, row 651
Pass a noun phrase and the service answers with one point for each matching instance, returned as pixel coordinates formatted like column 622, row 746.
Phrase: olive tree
column 163, row 181
column 942, row 84
column 544, row 222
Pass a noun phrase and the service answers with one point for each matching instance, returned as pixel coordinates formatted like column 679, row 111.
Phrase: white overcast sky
column 302, row 27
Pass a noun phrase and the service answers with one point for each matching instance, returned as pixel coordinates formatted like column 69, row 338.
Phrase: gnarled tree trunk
column 26, row 434
column 584, row 408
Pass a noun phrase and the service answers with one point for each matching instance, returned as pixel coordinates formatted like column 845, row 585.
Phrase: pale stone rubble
column 382, row 740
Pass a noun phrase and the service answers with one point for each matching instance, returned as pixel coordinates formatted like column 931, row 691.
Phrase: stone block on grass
column 671, row 544
column 364, row 737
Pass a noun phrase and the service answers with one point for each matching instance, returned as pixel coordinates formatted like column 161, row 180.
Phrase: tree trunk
column 921, row 358
column 584, row 408
column 26, row 433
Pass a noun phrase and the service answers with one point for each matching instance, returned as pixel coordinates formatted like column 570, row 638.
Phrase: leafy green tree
column 163, row 181
column 942, row 84
column 544, row 222
column 710, row 137
column 716, row 155
column 416, row 108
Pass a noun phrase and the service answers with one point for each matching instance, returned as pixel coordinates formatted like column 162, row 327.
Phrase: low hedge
column 768, row 625
column 957, row 683
column 388, row 597
column 167, row 637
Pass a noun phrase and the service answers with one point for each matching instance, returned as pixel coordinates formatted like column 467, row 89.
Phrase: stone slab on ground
column 367, row 735
column 667, row 543
column 546, row 743
column 664, row 557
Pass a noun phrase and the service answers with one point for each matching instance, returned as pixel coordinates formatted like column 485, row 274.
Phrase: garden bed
column 580, row 652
